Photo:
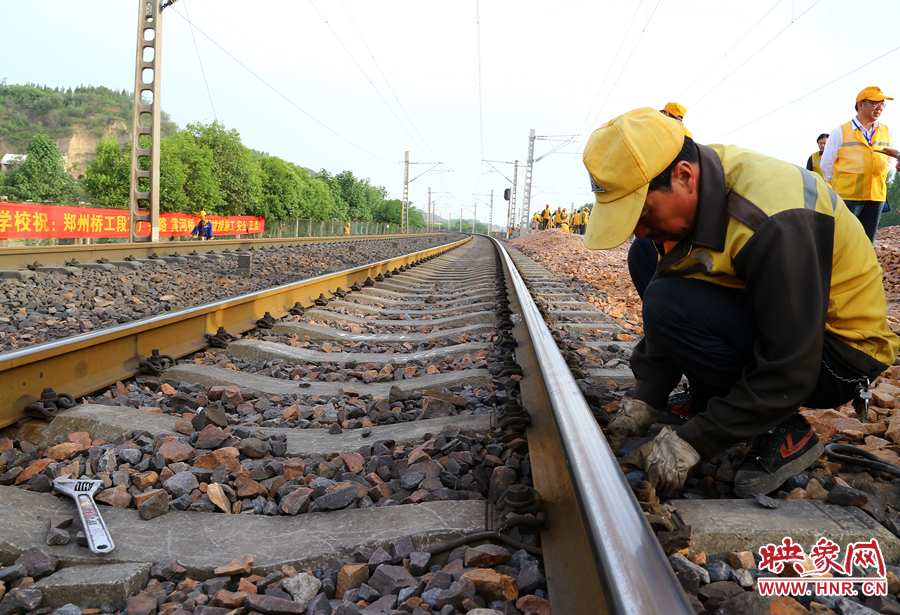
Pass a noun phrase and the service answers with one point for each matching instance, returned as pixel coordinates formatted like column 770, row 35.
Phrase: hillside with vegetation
column 57, row 113
column 202, row 167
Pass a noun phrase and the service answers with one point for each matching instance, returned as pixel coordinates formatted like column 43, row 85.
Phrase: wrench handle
column 99, row 540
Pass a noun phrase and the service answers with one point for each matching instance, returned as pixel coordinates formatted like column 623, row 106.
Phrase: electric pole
column 529, row 163
column 491, row 214
column 512, row 198
column 147, row 80
column 430, row 215
column 403, row 215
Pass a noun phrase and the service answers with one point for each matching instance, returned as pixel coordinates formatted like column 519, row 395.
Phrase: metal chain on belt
column 860, row 380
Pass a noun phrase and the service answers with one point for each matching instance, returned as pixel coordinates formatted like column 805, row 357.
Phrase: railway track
column 51, row 258
column 373, row 376
column 421, row 433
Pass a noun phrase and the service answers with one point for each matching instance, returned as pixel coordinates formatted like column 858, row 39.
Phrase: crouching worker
column 769, row 298
column 203, row 230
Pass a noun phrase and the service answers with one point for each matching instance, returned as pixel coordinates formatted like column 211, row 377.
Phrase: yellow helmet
column 202, row 213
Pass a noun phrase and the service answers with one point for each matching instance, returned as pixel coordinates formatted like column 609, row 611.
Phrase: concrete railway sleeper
column 342, row 461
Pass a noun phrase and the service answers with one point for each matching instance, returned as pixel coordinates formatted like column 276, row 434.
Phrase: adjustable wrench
column 82, row 491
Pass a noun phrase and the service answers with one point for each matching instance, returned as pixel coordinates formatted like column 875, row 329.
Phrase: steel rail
column 82, row 364
column 17, row 258
column 634, row 572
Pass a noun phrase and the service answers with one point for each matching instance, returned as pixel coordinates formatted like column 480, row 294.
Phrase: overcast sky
column 353, row 84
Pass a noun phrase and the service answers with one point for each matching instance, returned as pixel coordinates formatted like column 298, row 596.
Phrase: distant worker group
column 576, row 222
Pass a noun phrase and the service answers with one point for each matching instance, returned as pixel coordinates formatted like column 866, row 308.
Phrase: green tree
column 417, row 217
column 388, row 211
column 239, row 179
column 354, row 194
column 282, row 189
column 184, row 160
column 317, row 201
column 108, row 175
column 340, row 209
column 391, row 212
column 42, row 177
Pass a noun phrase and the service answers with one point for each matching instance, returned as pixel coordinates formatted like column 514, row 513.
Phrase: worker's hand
column 633, row 419
column 888, row 151
column 666, row 459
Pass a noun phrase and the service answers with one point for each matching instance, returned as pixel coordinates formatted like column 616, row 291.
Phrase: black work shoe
column 679, row 410
column 777, row 455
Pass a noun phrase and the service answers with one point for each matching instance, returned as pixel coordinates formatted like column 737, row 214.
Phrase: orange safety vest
column 860, row 173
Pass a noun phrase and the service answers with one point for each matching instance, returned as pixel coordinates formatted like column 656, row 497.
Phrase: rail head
column 636, row 576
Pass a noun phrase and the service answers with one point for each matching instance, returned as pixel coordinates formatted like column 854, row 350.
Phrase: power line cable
column 480, row 105
column 197, row 49
column 624, row 66
column 362, row 70
column 568, row 164
column 289, row 101
column 388, row 83
column 807, row 94
column 730, row 48
column 609, row 68
column 793, row 21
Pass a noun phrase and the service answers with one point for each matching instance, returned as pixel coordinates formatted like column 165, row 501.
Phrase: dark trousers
column 869, row 213
column 708, row 331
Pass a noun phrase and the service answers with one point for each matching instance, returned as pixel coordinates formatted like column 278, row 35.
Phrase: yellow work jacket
column 817, row 163
column 576, row 219
column 546, row 214
column 782, row 237
column 558, row 217
column 860, row 173
column 585, row 216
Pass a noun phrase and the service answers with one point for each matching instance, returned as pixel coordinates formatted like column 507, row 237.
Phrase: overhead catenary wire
column 388, row 83
column 753, row 55
column 480, row 98
column 580, row 131
column 199, row 60
column 288, row 100
column 759, row 21
column 627, row 60
column 610, row 67
column 884, row 55
column 362, row 70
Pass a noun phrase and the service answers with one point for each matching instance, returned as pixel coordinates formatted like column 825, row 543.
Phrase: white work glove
column 633, row 419
column 666, row 459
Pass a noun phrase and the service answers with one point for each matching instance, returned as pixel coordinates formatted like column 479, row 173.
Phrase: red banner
column 24, row 221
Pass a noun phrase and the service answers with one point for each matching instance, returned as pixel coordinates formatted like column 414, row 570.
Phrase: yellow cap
column 872, row 93
column 622, row 156
column 202, row 213
column 675, row 110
